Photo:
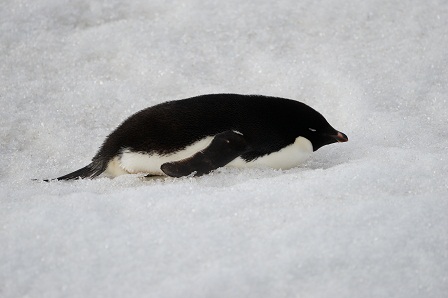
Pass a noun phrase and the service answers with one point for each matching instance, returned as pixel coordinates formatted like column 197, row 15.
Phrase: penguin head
column 318, row 131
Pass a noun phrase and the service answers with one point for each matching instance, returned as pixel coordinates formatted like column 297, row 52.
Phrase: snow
column 366, row 218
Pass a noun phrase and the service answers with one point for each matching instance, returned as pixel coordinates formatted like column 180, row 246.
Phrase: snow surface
column 367, row 218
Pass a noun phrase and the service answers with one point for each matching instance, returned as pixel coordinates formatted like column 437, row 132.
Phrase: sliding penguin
column 197, row 135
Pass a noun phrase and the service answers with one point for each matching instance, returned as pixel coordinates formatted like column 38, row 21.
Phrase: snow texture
column 367, row 218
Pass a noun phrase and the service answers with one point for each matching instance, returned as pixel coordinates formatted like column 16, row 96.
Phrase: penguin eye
column 312, row 129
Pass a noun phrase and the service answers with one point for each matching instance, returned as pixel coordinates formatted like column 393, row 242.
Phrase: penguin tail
column 90, row 171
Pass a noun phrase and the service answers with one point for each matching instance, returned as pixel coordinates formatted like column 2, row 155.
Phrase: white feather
column 287, row 158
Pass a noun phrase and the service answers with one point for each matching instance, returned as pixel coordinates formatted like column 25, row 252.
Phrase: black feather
column 92, row 170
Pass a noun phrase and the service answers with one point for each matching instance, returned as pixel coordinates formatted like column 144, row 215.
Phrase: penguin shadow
column 325, row 160
column 223, row 177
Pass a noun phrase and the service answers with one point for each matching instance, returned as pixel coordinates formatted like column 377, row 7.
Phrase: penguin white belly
column 130, row 162
column 286, row 158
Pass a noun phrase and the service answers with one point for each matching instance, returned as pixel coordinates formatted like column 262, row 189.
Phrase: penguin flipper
column 224, row 148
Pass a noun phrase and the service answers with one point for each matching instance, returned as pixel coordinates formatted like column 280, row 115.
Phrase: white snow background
column 367, row 218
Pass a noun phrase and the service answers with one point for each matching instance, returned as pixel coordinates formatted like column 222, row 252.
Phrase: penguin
column 194, row 136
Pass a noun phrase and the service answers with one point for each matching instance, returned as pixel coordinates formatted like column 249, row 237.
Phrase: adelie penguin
column 197, row 135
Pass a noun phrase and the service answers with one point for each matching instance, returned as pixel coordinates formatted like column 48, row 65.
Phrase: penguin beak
column 340, row 137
